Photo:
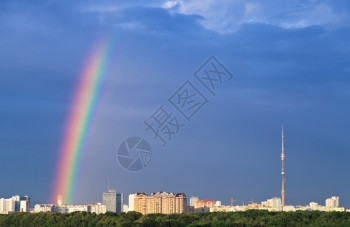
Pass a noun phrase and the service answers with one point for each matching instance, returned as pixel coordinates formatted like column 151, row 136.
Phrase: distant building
column 61, row 209
column 97, row 208
column 288, row 208
column 189, row 209
column 120, row 202
column 193, row 199
column 110, row 200
column 7, row 206
column 113, row 201
column 131, row 202
column 225, row 208
column 332, row 202
column 204, row 203
column 202, row 209
column 14, row 204
column 140, row 202
column 217, row 204
column 180, row 203
column 38, row 208
column 160, row 202
column 24, row 204
column 273, row 204
column 314, row 205
column 125, row 208
column 17, row 200
column 75, row 208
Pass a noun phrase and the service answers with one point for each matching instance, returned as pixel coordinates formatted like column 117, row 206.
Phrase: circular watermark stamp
column 134, row 154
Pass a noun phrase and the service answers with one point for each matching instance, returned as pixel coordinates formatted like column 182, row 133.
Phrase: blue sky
column 290, row 63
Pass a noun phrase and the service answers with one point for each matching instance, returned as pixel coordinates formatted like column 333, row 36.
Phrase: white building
column 226, row 208
column 43, row 208
column 16, row 199
column 131, row 202
column 14, row 204
column 288, row 208
column 97, row 208
column 217, row 204
column 332, row 202
column 7, row 206
column 314, row 205
column 74, row 208
column 24, row 206
column 193, row 199
column 274, row 204
column 125, row 208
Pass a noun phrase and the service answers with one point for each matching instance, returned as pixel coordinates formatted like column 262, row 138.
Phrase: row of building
column 111, row 202
column 14, row 204
column 97, row 208
column 273, row 204
column 158, row 202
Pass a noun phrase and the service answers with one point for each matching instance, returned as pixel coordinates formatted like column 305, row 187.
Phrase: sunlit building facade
column 160, row 202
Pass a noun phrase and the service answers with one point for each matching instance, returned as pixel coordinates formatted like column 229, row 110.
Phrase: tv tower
column 283, row 192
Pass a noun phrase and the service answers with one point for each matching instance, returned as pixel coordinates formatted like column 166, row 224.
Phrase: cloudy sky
column 290, row 61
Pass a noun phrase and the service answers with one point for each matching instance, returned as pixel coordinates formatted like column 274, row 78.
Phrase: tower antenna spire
column 283, row 155
column 108, row 183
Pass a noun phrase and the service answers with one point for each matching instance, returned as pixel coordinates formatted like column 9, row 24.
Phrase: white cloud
column 170, row 4
column 220, row 16
column 227, row 16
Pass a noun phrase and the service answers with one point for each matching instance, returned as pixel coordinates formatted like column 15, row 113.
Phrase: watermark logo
column 212, row 74
column 134, row 154
column 188, row 100
column 163, row 124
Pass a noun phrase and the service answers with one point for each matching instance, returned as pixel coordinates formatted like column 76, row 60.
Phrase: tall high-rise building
column 140, row 203
column 332, row 202
column 180, row 203
column 24, row 204
column 275, row 203
column 7, row 206
column 120, row 202
column 283, row 192
column 113, row 201
column 110, row 200
column 132, row 202
column 17, row 200
column 14, row 204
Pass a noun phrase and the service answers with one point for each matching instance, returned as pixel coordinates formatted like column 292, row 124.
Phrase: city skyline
column 79, row 80
column 167, row 203
column 161, row 202
column 120, row 197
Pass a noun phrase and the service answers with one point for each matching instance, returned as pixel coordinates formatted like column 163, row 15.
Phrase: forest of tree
column 246, row 218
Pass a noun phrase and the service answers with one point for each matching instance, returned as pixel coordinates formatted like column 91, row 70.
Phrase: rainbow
column 81, row 111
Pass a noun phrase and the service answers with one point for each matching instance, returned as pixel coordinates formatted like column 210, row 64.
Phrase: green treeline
column 247, row 218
